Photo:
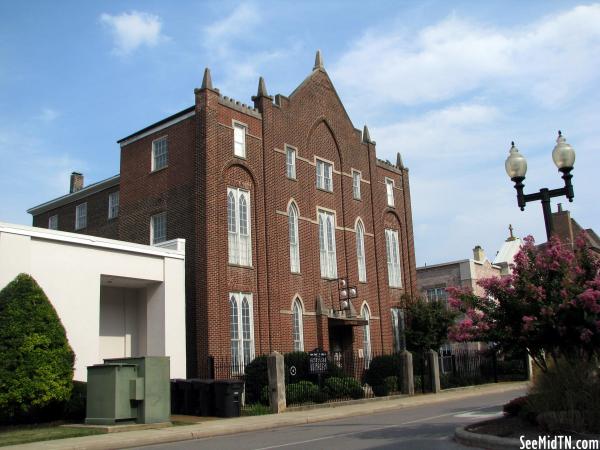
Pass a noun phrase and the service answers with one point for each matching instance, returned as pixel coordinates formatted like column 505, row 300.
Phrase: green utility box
column 129, row 390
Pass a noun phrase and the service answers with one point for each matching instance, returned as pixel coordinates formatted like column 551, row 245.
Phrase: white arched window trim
column 360, row 251
column 241, row 330
column 294, row 238
column 298, row 325
column 366, row 315
column 238, row 227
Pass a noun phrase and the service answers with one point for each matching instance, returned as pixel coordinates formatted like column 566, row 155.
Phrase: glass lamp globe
column 563, row 154
column 516, row 164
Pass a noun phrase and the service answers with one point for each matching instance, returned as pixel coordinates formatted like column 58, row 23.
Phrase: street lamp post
column 563, row 156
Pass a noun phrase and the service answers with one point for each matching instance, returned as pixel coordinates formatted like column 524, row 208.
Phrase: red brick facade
column 192, row 190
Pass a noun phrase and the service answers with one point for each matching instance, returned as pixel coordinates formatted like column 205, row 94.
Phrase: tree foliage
column 427, row 325
column 549, row 305
column 36, row 361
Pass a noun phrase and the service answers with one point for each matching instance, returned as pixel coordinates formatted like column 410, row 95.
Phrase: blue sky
column 448, row 84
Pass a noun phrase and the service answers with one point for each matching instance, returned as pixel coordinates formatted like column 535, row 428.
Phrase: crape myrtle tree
column 549, row 305
column 36, row 361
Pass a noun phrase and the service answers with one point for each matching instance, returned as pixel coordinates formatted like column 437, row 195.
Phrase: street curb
column 254, row 423
column 487, row 441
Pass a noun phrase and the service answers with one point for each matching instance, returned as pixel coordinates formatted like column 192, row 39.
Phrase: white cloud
column 132, row 30
column 240, row 23
column 551, row 60
column 48, row 115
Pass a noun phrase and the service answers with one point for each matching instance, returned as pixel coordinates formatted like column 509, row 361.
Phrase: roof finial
column 319, row 61
column 365, row 137
column 262, row 88
column 512, row 236
column 399, row 163
column 206, row 80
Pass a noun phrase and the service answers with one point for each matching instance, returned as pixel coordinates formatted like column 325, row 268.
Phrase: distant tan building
column 433, row 280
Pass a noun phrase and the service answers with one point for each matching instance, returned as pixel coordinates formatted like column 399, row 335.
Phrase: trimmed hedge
column 256, row 378
column 337, row 387
column 381, row 368
column 36, row 361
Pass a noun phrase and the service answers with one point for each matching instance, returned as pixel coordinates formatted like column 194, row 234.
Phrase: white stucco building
column 114, row 298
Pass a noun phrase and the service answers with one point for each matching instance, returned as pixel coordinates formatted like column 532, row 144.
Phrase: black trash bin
column 205, row 396
column 187, row 398
column 177, row 396
column 228, row 395
column 199, row 398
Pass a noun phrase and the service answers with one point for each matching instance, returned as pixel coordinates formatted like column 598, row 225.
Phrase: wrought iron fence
column 470, row 367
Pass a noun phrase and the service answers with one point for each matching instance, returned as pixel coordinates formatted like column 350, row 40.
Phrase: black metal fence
column 470, row 367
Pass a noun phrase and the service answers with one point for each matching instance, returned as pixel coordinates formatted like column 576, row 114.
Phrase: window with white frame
column 327, row 244
column 324, row 175
column 438, row 294
column 160, row 153
column 290, row 157
column 239, row 140
column 238, row 227
column 158, row 228
column 241, row 330
column 294, row 243
column 356, row 177
column 113, row 204
column 53, row 222
column 398, row 329
column 81, row 216
column 297, row 326
column 389, row 189
column 360, row 251
column 393, row 258
column 366, row 315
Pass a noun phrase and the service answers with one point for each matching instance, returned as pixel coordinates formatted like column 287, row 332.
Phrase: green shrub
column 74, row 408
column 566, row 396
column 380, row 368
column 36, row 361
column 302, row 392
column 391, row 383
column 256, row 378
column 347, row 387
column 515, row 406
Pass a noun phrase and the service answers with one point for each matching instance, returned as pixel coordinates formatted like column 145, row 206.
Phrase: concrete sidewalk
column 254, row 423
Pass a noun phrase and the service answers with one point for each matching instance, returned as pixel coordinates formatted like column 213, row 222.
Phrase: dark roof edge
column 74, row 196
column 159, row 123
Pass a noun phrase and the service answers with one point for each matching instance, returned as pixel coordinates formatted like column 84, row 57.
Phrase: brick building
column 276, row 201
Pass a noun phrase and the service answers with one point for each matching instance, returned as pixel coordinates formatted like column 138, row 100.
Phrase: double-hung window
column 356, row 176
column 324, row 175
column 239, row 140
column 53, row 222
column 360, row 252
column 290, row 158
column 113, row 204
column 297, row 327
column 393, row 258
column 438, row 294
column 389, row 189
column 241, row 326
column 81, row 216
column 238, row 227
column 160, row 153
column 158, row 228
column 294, row 244
column 327, row 244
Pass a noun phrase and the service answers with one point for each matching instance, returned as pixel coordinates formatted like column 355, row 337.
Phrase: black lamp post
column 516, row 168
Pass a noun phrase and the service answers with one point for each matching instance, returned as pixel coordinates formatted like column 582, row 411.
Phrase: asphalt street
column 419, row 427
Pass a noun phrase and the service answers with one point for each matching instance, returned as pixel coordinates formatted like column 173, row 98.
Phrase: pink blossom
column 586, row 336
